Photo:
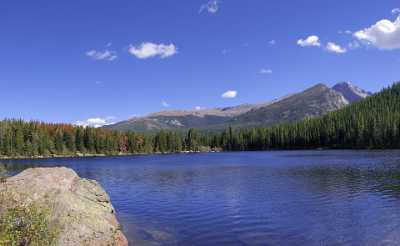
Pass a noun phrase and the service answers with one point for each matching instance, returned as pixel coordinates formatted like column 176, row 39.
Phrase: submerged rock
column 79, row 208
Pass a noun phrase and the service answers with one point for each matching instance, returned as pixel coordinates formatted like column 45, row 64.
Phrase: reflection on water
column 256, row 198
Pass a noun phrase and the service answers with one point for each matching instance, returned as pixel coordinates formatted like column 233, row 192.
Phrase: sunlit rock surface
column 79, row 208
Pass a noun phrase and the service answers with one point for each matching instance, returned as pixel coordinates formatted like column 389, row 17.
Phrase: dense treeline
column 19, row 138
column 371, row 123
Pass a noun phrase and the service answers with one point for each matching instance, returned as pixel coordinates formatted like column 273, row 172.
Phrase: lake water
column 251, row 198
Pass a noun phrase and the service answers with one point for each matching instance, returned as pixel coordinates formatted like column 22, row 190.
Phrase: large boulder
column 79, row 208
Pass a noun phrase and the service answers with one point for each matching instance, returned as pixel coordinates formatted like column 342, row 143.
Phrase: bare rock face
column 313, row 102
column 351, row 92
column 80, row 208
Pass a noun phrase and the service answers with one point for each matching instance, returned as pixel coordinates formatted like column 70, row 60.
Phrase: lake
column 250, row 198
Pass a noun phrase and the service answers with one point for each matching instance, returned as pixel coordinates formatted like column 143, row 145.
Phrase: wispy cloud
column 265, row 71
column 106, row 55
column 335, row 48
column 165, row 104
column 345, row 32
column 312, row 40
column 229, row 94
column 148, row 50
column 272, row 42
column 384, row 34
column 354, row 45
column 211, row 7
column 96, row 122
column 396, row 11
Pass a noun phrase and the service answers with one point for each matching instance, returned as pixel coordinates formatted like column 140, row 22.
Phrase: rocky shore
column 80, row 155
column 79, row 210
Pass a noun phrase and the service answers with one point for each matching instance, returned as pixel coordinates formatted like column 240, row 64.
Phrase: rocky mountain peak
column 351, row 92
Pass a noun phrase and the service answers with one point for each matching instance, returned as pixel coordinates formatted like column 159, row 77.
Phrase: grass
column 26, row 225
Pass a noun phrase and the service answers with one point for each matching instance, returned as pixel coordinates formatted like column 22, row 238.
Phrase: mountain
column 351, row 92
column 182, row 119
column 315, row 101
column 373, row 123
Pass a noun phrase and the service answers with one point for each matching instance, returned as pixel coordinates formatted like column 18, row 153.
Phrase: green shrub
column 26, row 225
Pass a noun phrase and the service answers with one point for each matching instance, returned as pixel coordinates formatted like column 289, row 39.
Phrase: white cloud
column 229, row 94
column 272, row 42
column 396, row 11
column 148, row 50
column 384, row 34
column 335, row 48
column 309, row 41
column 265, row 71
column 212, row 7
column 96, row 122
column 165, row 104
column 105, row 55
column 198, row 108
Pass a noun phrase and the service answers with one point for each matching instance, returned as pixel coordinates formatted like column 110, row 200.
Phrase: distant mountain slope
column 183, row 119
column 315, row 101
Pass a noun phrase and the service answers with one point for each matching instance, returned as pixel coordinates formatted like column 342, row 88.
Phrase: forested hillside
column 371, row 123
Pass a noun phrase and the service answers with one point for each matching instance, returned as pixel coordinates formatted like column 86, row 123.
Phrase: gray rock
column 80, row 208
column 351, row 92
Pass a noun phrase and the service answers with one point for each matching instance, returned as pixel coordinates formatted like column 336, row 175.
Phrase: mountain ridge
column 312, row 102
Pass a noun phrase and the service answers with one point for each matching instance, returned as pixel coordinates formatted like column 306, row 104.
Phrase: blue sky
column 68, row 61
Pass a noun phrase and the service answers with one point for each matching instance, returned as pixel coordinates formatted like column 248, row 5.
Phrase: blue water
column 250, row 198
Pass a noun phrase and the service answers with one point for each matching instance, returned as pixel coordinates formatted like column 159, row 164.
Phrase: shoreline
column 98, row 155
column 87, row 155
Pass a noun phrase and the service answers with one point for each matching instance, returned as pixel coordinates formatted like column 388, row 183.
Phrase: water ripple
column 257, row 198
